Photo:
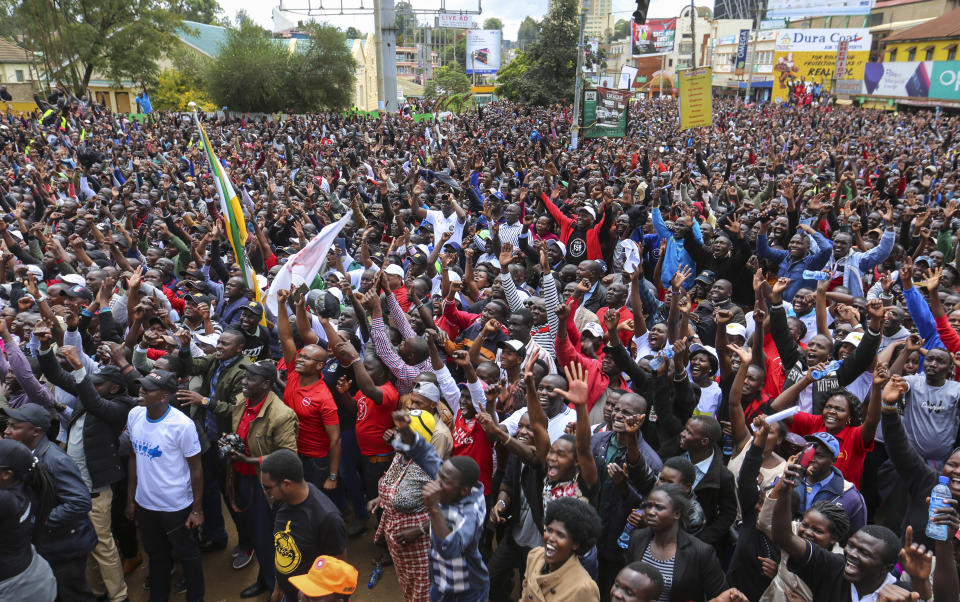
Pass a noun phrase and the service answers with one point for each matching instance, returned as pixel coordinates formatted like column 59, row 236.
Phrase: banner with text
column 605, row 113
column 653, row 37
column 913, row 79
column 742, row 41
column 696, row 98
column 778, row 9
column 810, row 55
column 454, row 21
column 483, row 50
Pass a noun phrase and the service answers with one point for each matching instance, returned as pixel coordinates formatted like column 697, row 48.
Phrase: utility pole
column 693, row 36
column 578, row 88
column 753, row 52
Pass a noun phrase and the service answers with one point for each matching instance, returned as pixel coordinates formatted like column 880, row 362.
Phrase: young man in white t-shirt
column 451, row 216
column 166, row 485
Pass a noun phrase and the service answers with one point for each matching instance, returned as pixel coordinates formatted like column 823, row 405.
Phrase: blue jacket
column 923, row 318
column 676, row 254
column 838, row 490
column 68, row 532
column 793, row 268
column 858, row 263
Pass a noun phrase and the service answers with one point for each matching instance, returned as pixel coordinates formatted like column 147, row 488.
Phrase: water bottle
column 375, row 575
column 828, row 369
column 666, row 354
column 726, row 445
column 815, row 275
column 624, row 540
column 938, row 497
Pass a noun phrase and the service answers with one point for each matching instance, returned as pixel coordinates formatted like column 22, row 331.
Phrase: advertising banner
column 810, row 55
column 696, row 98
column 454, row 21
column 778, row 9
column 841, row 68
column 605, row 113
column 653, row 37
column 742, row 41
column 483, row 50
column 913, row 79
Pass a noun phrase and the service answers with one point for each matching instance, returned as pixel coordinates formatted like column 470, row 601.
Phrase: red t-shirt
column 469, row 439
column 852, row 449
column 243, row 430
column 373, row 420
column 315, row 408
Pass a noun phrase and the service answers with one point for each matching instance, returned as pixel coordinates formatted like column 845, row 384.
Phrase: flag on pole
column 233, row 221
column 302, row 268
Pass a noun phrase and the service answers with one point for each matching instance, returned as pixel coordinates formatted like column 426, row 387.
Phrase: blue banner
column 742, row 42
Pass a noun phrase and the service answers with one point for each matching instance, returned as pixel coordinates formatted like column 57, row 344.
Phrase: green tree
column 353, row 33
column 321, row 76
column 510, row 78
column 406, row 23
column 553, row 57
column 446, row 80
column 621, row 29
column 250, row 72
column 75, row 38
column 528, row 33
column 493, row 23
column 200, row 11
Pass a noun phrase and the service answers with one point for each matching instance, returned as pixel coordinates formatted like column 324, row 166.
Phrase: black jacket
column 68, row 532
column 105, row 419
column 696, row 567
column 745, row 571
column 717, row 494
column 918, row 476
column 598, row 299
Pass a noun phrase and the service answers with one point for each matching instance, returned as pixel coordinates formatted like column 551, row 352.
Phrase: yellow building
column 935, row 40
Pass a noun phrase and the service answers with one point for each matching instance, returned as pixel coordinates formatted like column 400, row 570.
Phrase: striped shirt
column 404, row 372
column 544, row 334
column 666, row 571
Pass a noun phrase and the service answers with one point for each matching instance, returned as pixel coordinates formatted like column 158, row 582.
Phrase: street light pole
column 578, row 87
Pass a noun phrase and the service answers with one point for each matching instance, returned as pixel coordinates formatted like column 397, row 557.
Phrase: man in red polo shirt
column 318, row 440
column 265, row 425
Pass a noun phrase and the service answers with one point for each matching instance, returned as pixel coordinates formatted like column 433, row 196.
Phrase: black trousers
column 72, row 580
column 505, row 558
column 161, row 532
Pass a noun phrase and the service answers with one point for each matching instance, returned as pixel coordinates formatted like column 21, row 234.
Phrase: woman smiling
column 554, row 573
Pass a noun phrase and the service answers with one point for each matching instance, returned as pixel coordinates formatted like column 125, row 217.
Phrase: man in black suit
column 595, row 296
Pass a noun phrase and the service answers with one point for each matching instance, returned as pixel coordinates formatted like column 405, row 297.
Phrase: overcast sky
column 505, row 10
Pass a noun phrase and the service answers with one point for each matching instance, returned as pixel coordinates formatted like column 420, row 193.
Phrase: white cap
column 593, row 328
column 589, row 210
column 853, row 338
column 735, row 329
column 394, row 270
column 427, row 389
column 562, row 246
column 71, row 278
column 36, row 270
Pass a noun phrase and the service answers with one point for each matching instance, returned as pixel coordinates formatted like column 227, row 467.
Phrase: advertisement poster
column 605, row 113
column 742, row 41
column 483, row 50
column 810, row 55
column 653, row 37
column 696, row 98
column 913, row 79
column 778, row 9
column 455, row 21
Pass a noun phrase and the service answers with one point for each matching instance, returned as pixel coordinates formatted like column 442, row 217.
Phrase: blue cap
column 826, row 439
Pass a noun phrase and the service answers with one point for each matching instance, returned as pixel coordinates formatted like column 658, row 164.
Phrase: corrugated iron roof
column 11, row 53
column 944, row 26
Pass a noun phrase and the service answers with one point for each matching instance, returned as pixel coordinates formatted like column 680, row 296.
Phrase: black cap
column 254, row 308
column 265, row 368
column 198, row 286
column 707, row 277
column 108, row 373
column 419, row 258
column 160, row 380
column 198, row 299
column 78, row 292
column 196, row 274
column 33, row 413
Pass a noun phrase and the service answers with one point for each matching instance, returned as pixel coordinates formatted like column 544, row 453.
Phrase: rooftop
column 11, row 53
column 944, row 26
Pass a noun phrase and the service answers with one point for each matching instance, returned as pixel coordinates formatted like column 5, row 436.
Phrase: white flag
column 302, row 268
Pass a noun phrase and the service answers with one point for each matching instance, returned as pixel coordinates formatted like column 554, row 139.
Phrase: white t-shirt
column 555, row 425
column 442, row 224
column 162, row 447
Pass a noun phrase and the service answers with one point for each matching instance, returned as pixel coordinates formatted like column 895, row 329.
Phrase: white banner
column 302, row 268
column 777, row 9
column 823, row 40
column 454, row 21
column 483, row 50
column 628, row 75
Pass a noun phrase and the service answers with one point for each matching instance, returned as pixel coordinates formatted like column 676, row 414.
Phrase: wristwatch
column 332, row 476
column 205, row 401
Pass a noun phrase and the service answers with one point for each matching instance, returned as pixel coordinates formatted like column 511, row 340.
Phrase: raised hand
column 506, row 254
column 680, row 277
column 915, row 558
column 894, row 390
column 743, row 353
column 933, row 279
column 577, row 386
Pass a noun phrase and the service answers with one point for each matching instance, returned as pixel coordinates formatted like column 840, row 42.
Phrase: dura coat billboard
column 483, row 50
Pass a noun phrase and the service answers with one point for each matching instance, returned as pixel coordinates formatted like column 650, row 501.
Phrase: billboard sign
column 656, row 36
column 801, row 9
column 742, row 51
column 628, row 75
column 913, row 79
column 841, row 68
column 696, row 98
column 810, row 56
column 454, row 21
column 605, row 113
column 483, row 50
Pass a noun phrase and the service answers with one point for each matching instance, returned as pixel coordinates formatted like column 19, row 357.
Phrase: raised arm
column 577, row 393
column 738, row 419
column 284, row 331
column 538, row 418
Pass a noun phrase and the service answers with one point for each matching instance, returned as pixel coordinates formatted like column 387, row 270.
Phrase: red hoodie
column 567, row 224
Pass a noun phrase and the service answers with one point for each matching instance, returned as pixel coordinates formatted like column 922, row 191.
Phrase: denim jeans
column 470, row 596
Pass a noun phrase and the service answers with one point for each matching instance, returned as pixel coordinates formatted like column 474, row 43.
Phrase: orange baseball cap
column 328, row 575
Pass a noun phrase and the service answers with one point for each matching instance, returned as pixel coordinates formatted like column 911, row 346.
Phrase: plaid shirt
column 404, row 372
column 455, row 563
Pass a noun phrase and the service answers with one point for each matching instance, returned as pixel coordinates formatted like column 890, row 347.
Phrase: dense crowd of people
column 715, row 364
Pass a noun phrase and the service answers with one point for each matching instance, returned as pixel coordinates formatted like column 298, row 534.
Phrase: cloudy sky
column 507, row 11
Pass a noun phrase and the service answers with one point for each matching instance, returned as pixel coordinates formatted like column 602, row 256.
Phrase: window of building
column 893, row 55
column 669, row 62
column 928, row 53
column 19, row 75
column 912, row 54
column 952, row 53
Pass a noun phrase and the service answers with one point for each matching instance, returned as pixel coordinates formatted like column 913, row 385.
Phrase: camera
column 230, row 444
